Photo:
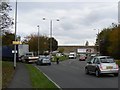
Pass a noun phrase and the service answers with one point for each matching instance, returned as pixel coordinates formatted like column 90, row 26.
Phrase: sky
column 79, row 20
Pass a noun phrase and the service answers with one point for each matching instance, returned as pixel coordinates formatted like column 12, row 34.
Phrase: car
column 102, row 65
column 82, row 57
column 72, row 55
column 43, row 60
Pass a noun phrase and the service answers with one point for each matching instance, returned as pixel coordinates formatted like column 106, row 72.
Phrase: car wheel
column 49, row 63
column 97, row 73
column 115, row 74
column 86, row 71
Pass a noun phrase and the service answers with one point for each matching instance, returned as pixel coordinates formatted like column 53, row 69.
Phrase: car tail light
column 117, row 66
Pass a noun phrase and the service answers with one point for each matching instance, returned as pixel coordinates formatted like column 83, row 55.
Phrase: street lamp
column 51, row 24
column 15, row 35
column 38, row 39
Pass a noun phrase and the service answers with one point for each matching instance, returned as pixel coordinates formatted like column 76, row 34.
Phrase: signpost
column 17, row 42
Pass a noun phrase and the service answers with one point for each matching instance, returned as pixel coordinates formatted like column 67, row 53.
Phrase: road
column 70, row 74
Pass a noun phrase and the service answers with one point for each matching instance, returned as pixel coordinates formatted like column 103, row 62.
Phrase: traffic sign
column 17, row 42
column 13, row 51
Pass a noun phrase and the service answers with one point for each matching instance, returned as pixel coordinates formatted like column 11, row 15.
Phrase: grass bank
column 7, row 73
column 38, row 79
column 61, row 58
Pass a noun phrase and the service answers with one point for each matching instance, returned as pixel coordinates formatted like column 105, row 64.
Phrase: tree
column 5, row 23
column 7, row 38
column 87, row 43
column 61, row 50
column 32, row 41
column 109, row 41
column 5, row 19
column 54, row 44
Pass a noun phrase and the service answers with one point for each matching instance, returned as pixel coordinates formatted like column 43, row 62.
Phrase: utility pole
column 15, row 35
column 38, row 39
column 50, row 37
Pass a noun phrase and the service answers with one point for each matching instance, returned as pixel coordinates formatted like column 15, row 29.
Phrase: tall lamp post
column 51, row 24
column 38, row 39
column 15, row 35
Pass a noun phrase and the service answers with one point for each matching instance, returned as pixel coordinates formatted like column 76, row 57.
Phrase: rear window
column 29, row 54
column 107, row 60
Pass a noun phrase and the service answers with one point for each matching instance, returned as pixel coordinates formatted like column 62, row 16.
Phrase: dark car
column 102, row 65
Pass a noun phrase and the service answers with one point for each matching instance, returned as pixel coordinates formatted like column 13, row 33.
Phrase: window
column 96, row 61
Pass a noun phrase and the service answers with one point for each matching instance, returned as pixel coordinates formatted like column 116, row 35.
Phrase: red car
column 82, row 57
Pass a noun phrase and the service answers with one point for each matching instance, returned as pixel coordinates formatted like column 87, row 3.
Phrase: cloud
column 77, row 20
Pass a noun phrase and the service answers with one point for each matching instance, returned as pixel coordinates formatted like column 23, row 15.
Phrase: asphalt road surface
column 70, row 74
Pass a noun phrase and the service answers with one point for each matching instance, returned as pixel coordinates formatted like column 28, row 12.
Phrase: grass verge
column 7, row 73
column 38, row 79
column 61, row 58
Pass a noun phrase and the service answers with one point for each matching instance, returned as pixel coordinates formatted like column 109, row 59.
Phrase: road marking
column 50, row 79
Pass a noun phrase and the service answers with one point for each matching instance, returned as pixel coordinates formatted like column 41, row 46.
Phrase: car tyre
column 115, row 74
column 97, row 73
column 86, row 71
column 49, row 63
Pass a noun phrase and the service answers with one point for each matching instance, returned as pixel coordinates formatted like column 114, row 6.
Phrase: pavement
column 21, row 77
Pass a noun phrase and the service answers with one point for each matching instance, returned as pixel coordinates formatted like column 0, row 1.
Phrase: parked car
column 43, row 60
column 82, row 57
column 102, row 65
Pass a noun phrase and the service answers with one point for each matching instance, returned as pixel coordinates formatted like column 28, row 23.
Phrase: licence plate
column 109, row 67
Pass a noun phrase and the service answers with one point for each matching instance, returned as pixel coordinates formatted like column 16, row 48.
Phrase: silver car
column 43, row 60
column 102, row 65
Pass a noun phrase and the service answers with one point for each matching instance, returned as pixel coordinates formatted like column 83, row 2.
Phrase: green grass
column 38, row 79
column 7, row 73
column 61, row 58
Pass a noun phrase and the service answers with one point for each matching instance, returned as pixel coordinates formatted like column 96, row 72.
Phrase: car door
column 90, row 65
column 95, row 64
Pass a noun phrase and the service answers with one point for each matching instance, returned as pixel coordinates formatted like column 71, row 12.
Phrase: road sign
column 13, row 51
column 17, row 42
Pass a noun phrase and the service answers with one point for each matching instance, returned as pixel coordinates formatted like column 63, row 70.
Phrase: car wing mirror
column 98, row 62
column 89, row 62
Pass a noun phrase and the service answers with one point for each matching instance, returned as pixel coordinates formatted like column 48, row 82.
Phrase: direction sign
column 17, row 42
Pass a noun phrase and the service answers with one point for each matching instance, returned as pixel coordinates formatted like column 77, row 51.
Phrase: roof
column 102, row 56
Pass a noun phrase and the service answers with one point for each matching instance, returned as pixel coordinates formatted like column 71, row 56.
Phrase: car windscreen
column 47, row 57
column 107, row 60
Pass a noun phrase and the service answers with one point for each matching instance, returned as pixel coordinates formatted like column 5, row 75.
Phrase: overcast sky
column 77, row 19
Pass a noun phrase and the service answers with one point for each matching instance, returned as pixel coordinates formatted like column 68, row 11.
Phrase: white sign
column 13, row 51
column 81, row 50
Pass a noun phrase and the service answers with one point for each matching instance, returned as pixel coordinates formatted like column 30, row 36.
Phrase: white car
column 72, row 55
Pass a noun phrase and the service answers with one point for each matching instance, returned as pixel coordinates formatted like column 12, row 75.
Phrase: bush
column 118, row 62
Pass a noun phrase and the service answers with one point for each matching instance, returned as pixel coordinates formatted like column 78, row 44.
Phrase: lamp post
column 15, row 35
column 50, row 37
column 51, row 24
column 38, row 39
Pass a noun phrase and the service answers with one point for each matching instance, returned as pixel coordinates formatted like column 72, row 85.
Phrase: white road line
column 50, row 79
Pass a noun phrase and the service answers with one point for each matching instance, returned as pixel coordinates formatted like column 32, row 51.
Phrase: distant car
column 44, row 60
column 72, row 55
column 82, row 57
column 102, row 65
